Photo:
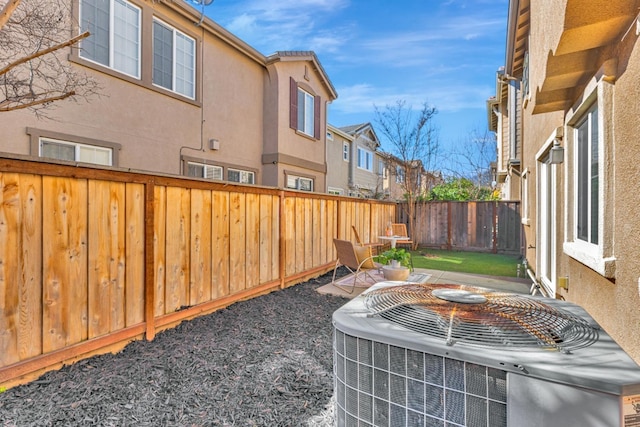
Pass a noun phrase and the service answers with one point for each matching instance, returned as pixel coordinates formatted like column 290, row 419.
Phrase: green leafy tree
column 461, row 189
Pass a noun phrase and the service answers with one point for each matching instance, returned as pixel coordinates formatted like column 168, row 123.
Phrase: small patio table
column 394, row 239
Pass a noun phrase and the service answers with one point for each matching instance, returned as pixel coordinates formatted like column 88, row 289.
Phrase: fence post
column 282, row 242
column 338, row 220
column 495, row 228
column 149, row 265
column 449, row 226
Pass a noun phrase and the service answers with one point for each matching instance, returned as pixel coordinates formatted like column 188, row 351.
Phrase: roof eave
column 583, row 51
column 282, row 56
column 189, row 12
column 517, row 32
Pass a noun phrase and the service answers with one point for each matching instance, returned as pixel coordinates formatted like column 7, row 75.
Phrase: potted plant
column 396, row 258
column 399, row 261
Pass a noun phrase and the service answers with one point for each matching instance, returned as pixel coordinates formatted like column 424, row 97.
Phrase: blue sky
column 443, row 52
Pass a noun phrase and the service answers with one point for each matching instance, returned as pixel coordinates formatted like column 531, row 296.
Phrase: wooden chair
column 372, row 245
column 400, row 229
column 357, row 264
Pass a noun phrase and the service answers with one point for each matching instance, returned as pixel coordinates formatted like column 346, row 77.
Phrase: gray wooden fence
column 470, row 226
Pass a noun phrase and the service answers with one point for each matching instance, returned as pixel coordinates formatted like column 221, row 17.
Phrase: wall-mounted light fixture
column 556, row 154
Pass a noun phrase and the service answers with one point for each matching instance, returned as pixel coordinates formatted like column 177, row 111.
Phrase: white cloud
column 286, row 9
column 287, row 24
column 459, row 97
column 325, row 43
column 363, row 97
column 242, row 24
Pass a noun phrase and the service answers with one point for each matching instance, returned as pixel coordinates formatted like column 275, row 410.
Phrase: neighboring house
column 184, row 96
column 367, row 167
column 338, row 161
column 421, row 180
column 578, row 63
column 506, row 170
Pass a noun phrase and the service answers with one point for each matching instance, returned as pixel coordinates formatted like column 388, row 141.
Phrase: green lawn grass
column 466, row 262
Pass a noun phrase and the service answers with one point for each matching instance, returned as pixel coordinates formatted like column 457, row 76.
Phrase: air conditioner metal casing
column 387, row 375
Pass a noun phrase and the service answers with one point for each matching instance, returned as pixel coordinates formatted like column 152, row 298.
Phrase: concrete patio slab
column 507, row 284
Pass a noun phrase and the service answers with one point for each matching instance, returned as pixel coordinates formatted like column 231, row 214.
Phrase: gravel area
column 262, row 362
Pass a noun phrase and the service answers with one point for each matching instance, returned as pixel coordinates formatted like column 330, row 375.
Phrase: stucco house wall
column 238, row 119
column 296, row 153
column 365, row 182
column 583, row 64
column 337, row 166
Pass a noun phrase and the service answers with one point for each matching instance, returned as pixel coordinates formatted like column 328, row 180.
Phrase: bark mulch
column 261, row 362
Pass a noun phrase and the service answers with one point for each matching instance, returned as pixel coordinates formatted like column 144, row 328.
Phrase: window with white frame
column 64, row 150
column 587, row 177
column 243, row 177
column 299, row 183
column 335, row 191
column 590, row 173
column 399, row 174
column 382, row 168
column 524, row 191
column 174, row 59
column 306, row 112
column 365, row 159
column 546, row 234
column 514, row 97
column 115, row 34
column 525, row 75
column 345, row 151
column 200, row 170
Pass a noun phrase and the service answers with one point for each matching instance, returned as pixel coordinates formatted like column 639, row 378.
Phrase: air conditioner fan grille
column 480, row 316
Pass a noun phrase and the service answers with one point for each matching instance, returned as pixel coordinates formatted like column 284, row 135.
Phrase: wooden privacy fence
column 91, row 259
column 492, row 226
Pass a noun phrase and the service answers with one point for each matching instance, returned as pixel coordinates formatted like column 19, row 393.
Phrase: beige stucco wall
column 337, row 168
column 242, row 101
column 152, row 127
column 233, row 107
column 367, row 180
column 150, row 130
column 612, row 302
column 297, row 151
column 546, row 24
column 615, row 305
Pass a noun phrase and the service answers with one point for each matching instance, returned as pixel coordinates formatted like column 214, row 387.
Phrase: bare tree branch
column 34, row 46
column 37, row 54
column 414, row 143
column 7, row 11
column 34, row 103
column 472, row 157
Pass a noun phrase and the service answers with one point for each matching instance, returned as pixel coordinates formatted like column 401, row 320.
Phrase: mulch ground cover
column 262, row 362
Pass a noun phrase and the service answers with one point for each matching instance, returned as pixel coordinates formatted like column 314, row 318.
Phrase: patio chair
column 358, row 260
column 400, row 229
column 373, row 245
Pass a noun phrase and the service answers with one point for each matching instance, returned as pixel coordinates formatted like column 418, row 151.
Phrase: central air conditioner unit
column 454, row 355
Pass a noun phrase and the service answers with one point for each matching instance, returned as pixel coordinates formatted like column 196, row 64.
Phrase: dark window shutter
column 293, row 103
column 316, row 117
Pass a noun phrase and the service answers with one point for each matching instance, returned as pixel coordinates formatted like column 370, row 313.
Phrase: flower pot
column 399, row 274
